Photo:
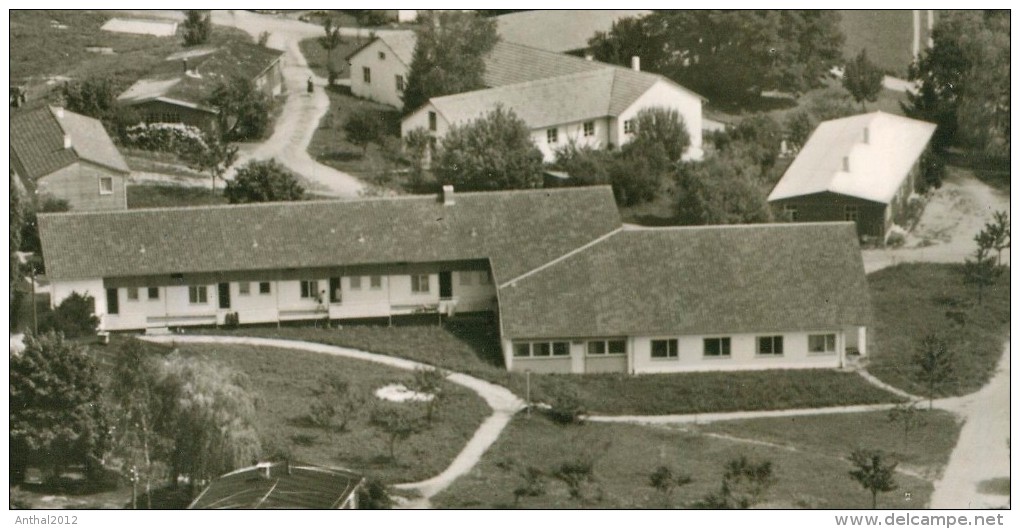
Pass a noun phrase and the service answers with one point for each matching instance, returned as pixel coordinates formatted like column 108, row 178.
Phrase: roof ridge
column 530, row 83
column 639, row 228
column 563, row 257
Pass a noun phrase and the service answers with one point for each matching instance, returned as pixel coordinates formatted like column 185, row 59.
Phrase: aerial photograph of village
column 511, row 259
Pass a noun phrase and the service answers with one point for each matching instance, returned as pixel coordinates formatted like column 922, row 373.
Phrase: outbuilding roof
column 516, row 230
column 38, row 148
column 280, row 486
column 559, row 30
column 694, row 280
column 866, row 156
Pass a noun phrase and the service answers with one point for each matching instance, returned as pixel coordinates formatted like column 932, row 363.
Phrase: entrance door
column 335, row 293
column 445, row 285
column 224, row 295
column 112, row 301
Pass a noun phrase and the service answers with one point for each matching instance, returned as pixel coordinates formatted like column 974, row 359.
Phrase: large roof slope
column 703, row 280
column 517, row 230
column 279, row 486
column 878, row 148
column 37, row 142
column 559, row 30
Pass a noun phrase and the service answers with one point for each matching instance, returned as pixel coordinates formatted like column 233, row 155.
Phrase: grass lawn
column 472, row 347
column 41, row 49
column 317, row 57
column 887, row 35
column 172, row 196
column 625, row 455
column 285, row 381
column 913, row 300
column 329, row 144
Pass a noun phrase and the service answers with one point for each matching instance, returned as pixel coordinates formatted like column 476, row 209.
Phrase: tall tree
column 492, row 152
column 965, row 82
column 57, row 415
column 449, row 55
column 934, row 364
column 862, row 79
column 263, row 181
column 329, row 42
column 197, row 27
column 93, row 96
column 873, row 471
column 75, row 317
column 662, row 126
column 998, row 233
column 397, row 423
column 213, row 156
column 632, row 37
column 243, row 109
column 363, row 127
column 722, row 190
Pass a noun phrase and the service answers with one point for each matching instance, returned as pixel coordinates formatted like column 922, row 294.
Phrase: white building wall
column 474, row 291
column 663, row 94
column 568, row 133
column 383, row 87
column 420, row 119
column 743, row 354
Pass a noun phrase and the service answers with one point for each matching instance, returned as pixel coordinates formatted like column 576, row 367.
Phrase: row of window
column 716, row 347
column 553, row 135
column 850, row 212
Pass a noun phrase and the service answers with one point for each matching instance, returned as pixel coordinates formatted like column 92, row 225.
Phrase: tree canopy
column 492, row 152
column 722, row 190
column 263, row 181
column 448, row 56
column 862, row 79
column 965, row 82
column 730, row 55
column 197, row 27
column 244, row 109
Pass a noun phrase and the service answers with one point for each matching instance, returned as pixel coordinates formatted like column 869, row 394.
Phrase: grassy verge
column 625, row 455
column 285, row 381
column 172, row 196
column 913, row 300
column 472, row 347
column 318, row 59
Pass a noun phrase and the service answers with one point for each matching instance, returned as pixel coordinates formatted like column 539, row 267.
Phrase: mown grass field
column 913, row 300
column 471, row 346
column 285, row 382
column 172, row 196
column 811, row 471
column 887, row 35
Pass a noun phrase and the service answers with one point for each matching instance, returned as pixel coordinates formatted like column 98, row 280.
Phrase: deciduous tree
column 263, row 181
column 212, row 156
column 75, row 317
column 492, row 152
column 93, row 96
column 397, row 423
column 722, row 190
column 934, row 364
column 429, row 381
column 873, row 471
column 862, row 79
column 364, row 126
column 448, row 55
column 329, row 42
column 243, row 109
column 197, row 27
column 336, row 403
column 661, row 126
column 744, row 484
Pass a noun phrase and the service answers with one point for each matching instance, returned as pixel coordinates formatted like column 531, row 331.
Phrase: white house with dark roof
column 861, row 168
column 572, row 289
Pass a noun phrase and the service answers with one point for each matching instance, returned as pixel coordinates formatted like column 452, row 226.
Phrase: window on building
column 665, row 348
column 382, row 55
column 375, row 282
column 821, row 343
column 552, row 135
column 309, row 289
column 132, row 294
column 466, row 278
column 105, row 185
column 770, row 345
column 432, row 121
column 198, row 295
column 717, row 346
column 400, row 83
column 264, row 288
column 791, row 212
column 522, row 349
column 604, row 347
column 420, row 283
column 628, row 127
column 541, row 349
column 850, row 213
column 355, row 282
column 589, row 128
column 366, row 73
column 112, row 301
column 244, row 288
column 153, row 293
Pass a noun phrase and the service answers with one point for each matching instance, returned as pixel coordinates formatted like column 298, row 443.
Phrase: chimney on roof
column 448, row 195
column 867, row 136
column 67, row 141
column 635, row 63
column 846, row 164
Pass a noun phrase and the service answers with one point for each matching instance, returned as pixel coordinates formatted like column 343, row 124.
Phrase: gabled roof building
column 572, row 289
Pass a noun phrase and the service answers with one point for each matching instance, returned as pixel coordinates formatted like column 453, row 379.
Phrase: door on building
column 445, row 285
column 336, row 294
column 112, row 302
column 224, row 295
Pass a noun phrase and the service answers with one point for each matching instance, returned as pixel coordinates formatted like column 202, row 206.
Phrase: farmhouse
column 68, row 156
column 537, row 84
column 572, row 289
column 861, row 168
column 179, row 91
column 282, row 485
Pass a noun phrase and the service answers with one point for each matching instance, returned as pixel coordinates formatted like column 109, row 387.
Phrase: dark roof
column 670, row 281
column 37, row 142
column 208, row 67
column 304, row 487
column 517, row 230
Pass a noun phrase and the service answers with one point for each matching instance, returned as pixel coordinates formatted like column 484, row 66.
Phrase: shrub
column 75, row 317
column 165, row 137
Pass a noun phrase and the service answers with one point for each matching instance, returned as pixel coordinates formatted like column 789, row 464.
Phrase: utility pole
column 527, row 384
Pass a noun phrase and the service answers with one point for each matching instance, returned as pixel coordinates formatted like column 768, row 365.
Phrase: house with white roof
column 861, row 168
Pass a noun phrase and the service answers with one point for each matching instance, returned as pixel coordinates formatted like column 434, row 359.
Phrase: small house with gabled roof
column 861, row 168
column 68, row 156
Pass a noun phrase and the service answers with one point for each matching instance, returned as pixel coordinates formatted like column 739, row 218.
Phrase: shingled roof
column 516, row 230
column 279, row 486
column 865, row 156
column 37, row 142
column 694, row 280
column 207, row 66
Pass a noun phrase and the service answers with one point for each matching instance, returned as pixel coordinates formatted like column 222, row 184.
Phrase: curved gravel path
column 504, row 404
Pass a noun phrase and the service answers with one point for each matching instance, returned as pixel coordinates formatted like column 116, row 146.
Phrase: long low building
column 573, row 290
